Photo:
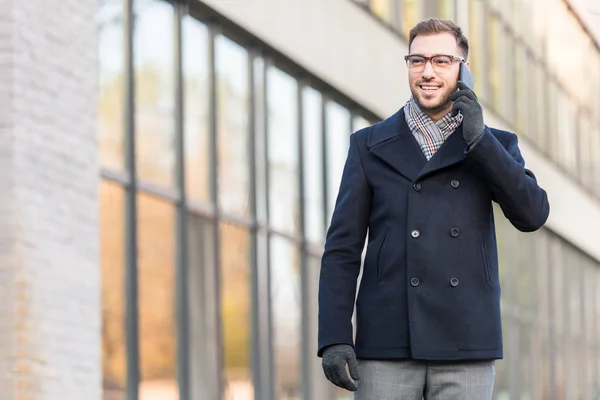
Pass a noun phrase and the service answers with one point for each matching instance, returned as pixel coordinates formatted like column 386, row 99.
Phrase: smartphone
column 465, row 76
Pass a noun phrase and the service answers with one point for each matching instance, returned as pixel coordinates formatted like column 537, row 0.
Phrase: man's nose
column 428, row 71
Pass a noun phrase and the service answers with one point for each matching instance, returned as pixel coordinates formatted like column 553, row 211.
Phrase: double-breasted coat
column 430, row 286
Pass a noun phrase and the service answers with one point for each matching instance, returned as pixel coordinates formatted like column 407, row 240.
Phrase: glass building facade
column 221, row 159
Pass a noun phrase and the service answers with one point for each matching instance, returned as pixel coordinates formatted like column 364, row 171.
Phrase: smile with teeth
column 430, row 88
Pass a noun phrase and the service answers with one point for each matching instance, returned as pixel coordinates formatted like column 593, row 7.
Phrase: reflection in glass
column 337, row 133
column 410, row 15
column 524, row 361
column 567, row 132
column 507, row 88
column 156, row 269
column 446, row 9
column 204, row 352
column 313, row 164
column 232, row 126
column 111, row 98
column 154, row 91
column 112, row 258
column 381, row 9
column 495, row 62
column 541, row 131
column 520, row 81
column 196, row 89
column 236, row 311
column 359, row 122
column 596, row 157
column 282, row 100
column 284, row 261
column 558, row 297
column 259, row 91
column 477, row 51
column 585, row 151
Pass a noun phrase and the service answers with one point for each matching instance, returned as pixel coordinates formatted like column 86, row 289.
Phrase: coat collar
column 393, row 142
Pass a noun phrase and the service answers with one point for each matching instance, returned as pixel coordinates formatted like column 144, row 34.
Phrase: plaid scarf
column 430, row 135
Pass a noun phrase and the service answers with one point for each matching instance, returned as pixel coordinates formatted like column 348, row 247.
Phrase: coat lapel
column 393, row 142
column 450, row 153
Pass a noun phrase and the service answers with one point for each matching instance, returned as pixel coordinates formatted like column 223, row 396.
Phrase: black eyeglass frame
column 430, row 59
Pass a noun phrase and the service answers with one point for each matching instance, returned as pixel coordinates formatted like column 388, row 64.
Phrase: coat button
column 415, row 233
column 454, row 232
column 455, row 183
column 417, row 186
column 454, row 282
column 414, row 282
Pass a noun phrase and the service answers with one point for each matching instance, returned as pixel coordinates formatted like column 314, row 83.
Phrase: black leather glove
column 465, row 100
column 334, row 365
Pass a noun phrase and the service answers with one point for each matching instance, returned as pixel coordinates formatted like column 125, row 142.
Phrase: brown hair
column 434, row 26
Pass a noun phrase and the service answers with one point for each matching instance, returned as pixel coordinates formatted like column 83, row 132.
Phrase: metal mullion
column 131, row 273
column 181, row 302
column 269, row 391
column 213, row 32
column 325, row 163
column 304, row 262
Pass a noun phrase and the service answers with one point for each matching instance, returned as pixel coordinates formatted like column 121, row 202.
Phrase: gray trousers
column 429, row 380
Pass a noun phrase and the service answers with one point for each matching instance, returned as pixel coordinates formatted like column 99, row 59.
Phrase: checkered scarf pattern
column 430, row 135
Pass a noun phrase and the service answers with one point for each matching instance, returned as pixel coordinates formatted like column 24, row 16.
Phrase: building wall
column 50, row 309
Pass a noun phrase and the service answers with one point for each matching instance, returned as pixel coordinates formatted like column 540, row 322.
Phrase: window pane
column 596, row 158
column 154, row 91
column 204, row 351
column 156, row 269
column 313, row 164
column 585, row 151
column 338, row 132
column 236, row 311
column 232, row 126
column 446, row 9
column 359, row 122
column 259, row 143
column 566, row 132
column 111, row 97
column 282, row 102
column 112, row 250
column 477, row 52
column 381, row 9
column 558, row 294
column 284, row 260
column 521, row 79
column 552, row 119
column 495, row 33
column 410, row 15
column 196, row 127
column 540, row 132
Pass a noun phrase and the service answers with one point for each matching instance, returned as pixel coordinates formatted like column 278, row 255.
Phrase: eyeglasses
column 440, row 62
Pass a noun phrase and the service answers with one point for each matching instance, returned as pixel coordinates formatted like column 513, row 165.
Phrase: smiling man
column 422, row 183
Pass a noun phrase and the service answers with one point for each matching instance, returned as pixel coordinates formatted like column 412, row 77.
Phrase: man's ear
column 468, row 65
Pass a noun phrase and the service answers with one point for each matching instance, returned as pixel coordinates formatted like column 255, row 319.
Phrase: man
column 422, row 183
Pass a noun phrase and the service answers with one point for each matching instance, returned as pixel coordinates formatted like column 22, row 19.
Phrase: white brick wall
column 50, row 331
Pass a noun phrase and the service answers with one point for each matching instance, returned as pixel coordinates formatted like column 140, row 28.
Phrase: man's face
column 430, row 88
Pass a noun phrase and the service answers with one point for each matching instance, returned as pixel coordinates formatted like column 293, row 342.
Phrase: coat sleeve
column 514, row 187
column 340, row 264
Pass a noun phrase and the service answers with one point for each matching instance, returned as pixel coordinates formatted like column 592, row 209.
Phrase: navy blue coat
column 430, row 286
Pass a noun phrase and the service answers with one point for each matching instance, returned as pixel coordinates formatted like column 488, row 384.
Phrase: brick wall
column 50, row 332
